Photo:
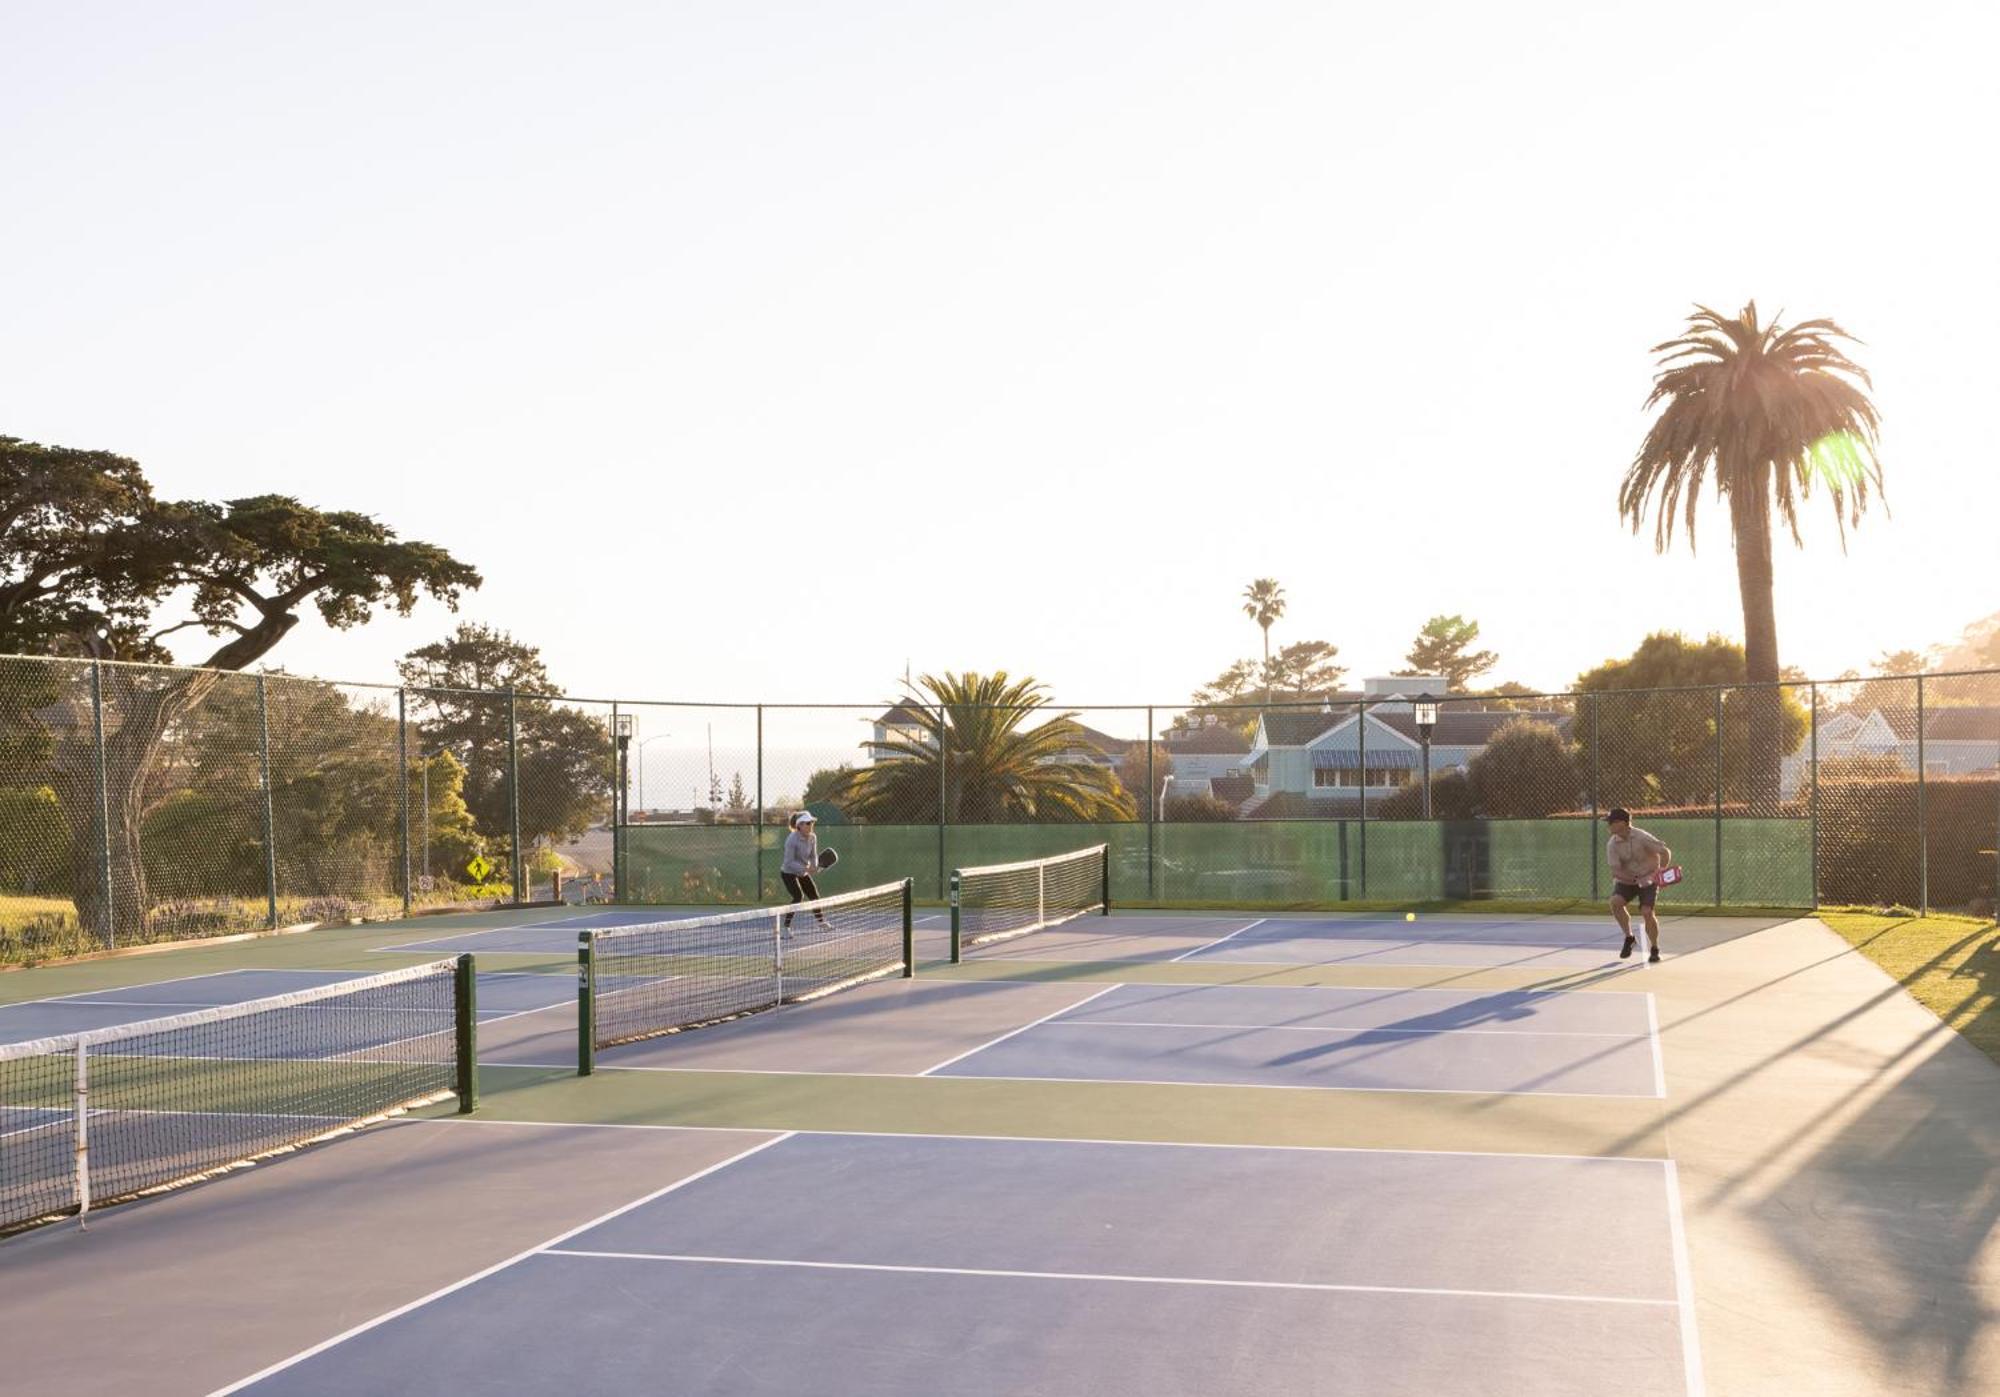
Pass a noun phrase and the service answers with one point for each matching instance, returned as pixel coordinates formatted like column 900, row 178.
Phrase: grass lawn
column 1951, row 965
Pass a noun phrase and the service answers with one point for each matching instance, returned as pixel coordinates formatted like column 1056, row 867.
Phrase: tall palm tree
column 1007, row 757
column 1264, row 602
column 1770, row 412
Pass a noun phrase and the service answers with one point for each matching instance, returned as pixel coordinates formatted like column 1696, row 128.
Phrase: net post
column 909, row 929
column 586, row 1006
column 1105, row 874
column 270, row 808
column 957, row 924
column 778, row 951
column 465, row 987
column 82, row 1135
column 1041, row 894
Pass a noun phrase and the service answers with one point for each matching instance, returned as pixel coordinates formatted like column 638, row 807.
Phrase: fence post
column 1590, row 842
column 518, row 857
column 1923, row 815
column 1718, row 795
column 1814, row 812
column 403, row 788
column 943, row 795
column 617, row 811
column 103, row 805
column 759, row 818
column 1152, row 814
column 1361, row 738
column 270, row 809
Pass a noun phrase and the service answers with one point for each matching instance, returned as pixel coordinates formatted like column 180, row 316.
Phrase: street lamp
column 643, row 807
column 1426, row 710
column 621, row 731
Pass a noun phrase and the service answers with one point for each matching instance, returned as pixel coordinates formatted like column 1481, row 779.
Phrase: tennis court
column 1144, row 1153
column 816, row 1263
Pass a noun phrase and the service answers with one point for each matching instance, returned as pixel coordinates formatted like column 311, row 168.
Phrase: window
column 1349, row 777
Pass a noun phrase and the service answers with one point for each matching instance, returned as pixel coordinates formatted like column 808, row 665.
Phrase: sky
column 757, row 351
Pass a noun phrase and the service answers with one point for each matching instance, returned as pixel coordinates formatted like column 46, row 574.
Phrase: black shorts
column 1632, row 892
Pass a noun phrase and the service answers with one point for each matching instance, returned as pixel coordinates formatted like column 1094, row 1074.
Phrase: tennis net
column 98, row 1117
column 642, row 981
column 1005, row 900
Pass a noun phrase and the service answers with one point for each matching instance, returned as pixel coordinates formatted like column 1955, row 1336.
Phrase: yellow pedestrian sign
column 479, row 868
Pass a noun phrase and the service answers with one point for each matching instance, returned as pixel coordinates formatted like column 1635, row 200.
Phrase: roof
column 1455, row 727
column 1954, row 724
column 1468, row 729
column 1214, row 737
column 1105, row 742
column 1295, row 728
column 1234, row 789
column 903, row 716
column 1353, row 758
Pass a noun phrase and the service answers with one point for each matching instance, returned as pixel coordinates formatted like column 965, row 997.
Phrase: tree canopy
column 1444, row 647
column 1007, row 757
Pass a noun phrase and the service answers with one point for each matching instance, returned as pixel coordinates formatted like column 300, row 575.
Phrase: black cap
column 1618, row 812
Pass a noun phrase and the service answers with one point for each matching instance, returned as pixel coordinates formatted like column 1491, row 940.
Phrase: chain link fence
column 147, row 803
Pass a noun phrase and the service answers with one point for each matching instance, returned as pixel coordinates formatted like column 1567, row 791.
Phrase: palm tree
column 1007, row 758
column 1264, row 602
column 1770, row 411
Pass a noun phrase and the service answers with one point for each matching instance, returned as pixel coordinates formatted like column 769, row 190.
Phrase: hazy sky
column 752, row 350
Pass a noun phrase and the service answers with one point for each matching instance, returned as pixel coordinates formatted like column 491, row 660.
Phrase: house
column 1097, row 748
column 1332, row 757
column 908, row 725
column 1210, row 751
column 1958, row 741
column 903, row 723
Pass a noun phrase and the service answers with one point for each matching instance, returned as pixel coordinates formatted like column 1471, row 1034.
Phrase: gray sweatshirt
column 801, row 853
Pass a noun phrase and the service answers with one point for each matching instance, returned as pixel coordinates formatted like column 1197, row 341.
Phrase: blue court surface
column 501, row 996
column 908, row 1266
column 1436, row 941
column 1593, row 1043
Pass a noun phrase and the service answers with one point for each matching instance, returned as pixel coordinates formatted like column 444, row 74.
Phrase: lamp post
column 621, row 730
column 1426, row 709
column 643, row 807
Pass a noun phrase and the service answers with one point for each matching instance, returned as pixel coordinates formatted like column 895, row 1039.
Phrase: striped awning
column 1351, row 759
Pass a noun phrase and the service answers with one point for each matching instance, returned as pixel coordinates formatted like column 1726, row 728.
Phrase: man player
column 1636, row 860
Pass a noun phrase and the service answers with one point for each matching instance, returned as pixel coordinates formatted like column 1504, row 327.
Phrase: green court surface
column 1834, row 1145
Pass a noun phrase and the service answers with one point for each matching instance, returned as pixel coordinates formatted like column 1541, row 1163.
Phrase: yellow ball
column 1409, row 916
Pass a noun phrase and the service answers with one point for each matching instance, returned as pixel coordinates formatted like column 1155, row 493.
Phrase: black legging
column 803, row 889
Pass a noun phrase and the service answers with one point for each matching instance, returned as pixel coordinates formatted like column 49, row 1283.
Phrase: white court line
column 939, row 1067
column 1351, row 1028
column 1683, row 1283
column 1177, row 987
column 142, row 984
column 926, row 1074
column 514, row 1260
column 1320, row 1286
column 1659, row 1059
column 1650, row 1161
column 1218, row 940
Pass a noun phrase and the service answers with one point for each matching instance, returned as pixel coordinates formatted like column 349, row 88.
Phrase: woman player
column 801, row 860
